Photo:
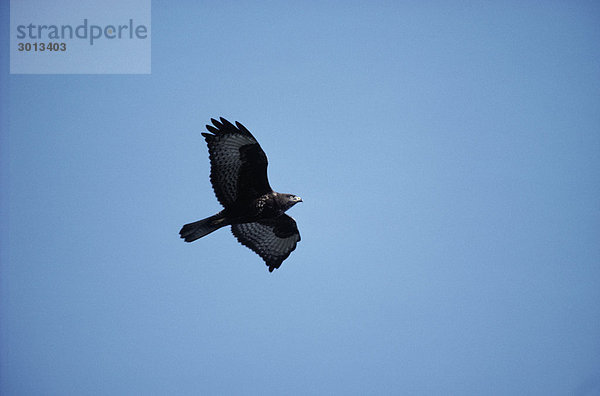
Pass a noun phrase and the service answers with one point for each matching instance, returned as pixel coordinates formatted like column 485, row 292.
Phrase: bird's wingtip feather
column 211, row 129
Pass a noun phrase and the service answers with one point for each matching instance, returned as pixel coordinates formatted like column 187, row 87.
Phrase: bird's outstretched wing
column 271, row 239
column 238, row 165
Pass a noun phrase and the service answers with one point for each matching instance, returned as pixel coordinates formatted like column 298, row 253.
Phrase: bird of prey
column 256, row 213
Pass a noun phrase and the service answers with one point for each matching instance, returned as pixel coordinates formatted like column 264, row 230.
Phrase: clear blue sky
column 449, row 161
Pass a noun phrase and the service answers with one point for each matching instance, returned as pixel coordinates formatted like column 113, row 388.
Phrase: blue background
column 448, row 158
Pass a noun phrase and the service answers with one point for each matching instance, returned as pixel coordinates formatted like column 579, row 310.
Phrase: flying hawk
column 256, row 213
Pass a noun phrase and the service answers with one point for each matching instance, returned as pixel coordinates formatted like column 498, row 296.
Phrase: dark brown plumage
column 255, row 212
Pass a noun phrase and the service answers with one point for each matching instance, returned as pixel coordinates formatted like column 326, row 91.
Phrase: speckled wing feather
column 272, row 239
column 238, row 164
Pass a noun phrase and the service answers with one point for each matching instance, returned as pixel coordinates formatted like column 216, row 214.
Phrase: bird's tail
column 198, row 229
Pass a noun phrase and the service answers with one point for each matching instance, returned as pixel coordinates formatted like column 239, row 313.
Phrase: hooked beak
column 298, row 199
